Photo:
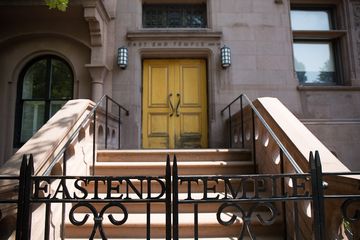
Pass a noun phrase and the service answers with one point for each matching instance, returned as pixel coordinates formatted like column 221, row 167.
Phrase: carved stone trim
column 96, row 15
column 95, row 26
column 173, row 35
column 99, row 5
column 180, row 44
column 97, row 72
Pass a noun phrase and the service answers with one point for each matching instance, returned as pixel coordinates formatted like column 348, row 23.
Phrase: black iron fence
column 236, row 197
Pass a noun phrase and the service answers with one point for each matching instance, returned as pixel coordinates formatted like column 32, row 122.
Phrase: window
column 315, row 47
column 311, row 19
column 174, row 15
column 45, row 84
column 314, row 62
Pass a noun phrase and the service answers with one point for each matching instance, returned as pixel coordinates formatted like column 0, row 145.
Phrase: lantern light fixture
column 225, row 56
column 122, row 58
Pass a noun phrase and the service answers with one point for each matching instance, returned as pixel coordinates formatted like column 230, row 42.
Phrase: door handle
column 178, row 104
column 171, row 105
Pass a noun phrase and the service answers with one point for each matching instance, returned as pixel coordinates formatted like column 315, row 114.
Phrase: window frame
column 337, row 76
column 167, row 4
column 333, row 36
column 316, row 7
column 17, row 143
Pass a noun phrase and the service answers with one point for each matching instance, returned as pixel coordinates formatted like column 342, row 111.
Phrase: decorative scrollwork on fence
column 345, row 210
column 98, row 217
column 239, row 212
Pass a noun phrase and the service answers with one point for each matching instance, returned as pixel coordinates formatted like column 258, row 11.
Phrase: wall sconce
column 122, row 58
column 225, row 56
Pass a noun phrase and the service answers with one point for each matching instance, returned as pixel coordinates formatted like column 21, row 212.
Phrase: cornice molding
column 173, row 35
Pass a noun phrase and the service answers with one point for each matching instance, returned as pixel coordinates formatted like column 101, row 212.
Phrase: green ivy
column 57, row 4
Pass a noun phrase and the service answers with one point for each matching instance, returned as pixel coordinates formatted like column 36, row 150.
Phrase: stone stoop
column 144, row 155
column 152, row 163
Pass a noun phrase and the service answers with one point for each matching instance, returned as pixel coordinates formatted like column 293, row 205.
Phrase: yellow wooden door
column 174, row 104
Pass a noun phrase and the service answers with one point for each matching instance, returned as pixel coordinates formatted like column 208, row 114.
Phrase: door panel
column 190, row 86
column 192, row 120
column 174, row 104
column 158, row 130
column 159, row 86
column 157, row 83
column 158, row 125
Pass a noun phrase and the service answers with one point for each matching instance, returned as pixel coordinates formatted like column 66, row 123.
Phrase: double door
column 174, row 104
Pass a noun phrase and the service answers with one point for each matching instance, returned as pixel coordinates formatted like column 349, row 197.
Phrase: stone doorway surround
column 180, row 44
column 174, row 106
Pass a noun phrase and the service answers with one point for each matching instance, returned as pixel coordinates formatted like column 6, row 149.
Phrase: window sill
column 174, row 34
column 327, row 88
column 326, row 35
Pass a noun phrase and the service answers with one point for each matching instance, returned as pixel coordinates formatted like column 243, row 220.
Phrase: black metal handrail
column 62, row 152
column 266, row 125
column 107, row 99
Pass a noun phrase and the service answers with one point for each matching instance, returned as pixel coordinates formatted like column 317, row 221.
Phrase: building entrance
column 174, row 104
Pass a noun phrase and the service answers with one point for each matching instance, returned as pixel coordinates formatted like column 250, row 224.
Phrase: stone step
column 135, row 227
column 152, row 163
column 185, row 168
column 181, row 155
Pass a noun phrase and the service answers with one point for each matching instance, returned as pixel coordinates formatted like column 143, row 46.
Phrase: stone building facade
column 260, row 34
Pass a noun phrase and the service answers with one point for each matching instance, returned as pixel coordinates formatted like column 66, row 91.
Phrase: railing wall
column 46, row 144
column 299, row 142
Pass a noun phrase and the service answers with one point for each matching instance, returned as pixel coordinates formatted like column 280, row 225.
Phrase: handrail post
column 94, row 136
column 47, row 221
column 168, row 198
column 242, row 121
column 28, row 194
column 119, row 137
column 21, row 193
column 283, row 191
column 63, row 205
column 106, row 120
column 230, row 128
column 253, row 140
column 23, row 226
column 175, row 201
column 318, row 196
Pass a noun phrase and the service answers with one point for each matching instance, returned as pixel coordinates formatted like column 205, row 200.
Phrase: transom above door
column 174, row 104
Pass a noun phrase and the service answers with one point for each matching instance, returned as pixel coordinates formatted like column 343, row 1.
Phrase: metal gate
column 267, row 191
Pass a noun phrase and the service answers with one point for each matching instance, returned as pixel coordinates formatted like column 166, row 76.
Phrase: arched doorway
column 45, row 84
